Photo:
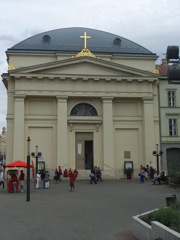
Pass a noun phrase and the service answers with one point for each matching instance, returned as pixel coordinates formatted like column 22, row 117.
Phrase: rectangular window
column 171, row 99
column 172, row 127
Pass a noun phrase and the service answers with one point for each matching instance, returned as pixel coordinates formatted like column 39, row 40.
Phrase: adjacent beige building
column 85, row 97
column 169, row 101
column 3, row 135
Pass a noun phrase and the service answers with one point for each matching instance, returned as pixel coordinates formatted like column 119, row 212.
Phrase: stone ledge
column 142, row 230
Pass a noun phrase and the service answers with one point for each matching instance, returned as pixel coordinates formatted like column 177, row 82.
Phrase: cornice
column 83, row 77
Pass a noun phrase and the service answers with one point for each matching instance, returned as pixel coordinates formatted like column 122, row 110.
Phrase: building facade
column 169, row 101
column 85, row 97
column 3, row 145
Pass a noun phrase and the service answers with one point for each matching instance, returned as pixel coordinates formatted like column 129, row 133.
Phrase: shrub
column 169, row 217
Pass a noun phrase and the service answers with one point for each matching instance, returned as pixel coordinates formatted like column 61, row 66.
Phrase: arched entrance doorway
column 84, row 154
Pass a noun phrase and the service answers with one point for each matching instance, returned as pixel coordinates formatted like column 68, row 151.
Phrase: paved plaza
column 100, row 211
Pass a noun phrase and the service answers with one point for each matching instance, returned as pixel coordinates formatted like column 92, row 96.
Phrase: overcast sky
column 154, row 24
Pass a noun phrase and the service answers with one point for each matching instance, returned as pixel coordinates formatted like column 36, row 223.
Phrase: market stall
column 12, row 173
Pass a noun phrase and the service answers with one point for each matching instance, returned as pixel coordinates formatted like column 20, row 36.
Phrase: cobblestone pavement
column 100, row 211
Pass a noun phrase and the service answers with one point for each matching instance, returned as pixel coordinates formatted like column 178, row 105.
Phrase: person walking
column 38, row 179
column 46, row 179
column 93, row 177
column 21, row 179
column 99, row 174
column 2, row 178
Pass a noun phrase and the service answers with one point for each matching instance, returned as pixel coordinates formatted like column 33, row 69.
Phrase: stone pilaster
column 62, row 131
column 149, row 134
column 108, row 130
column 19, row 142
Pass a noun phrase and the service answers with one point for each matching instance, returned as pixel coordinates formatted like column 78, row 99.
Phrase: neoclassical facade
column 84, row 97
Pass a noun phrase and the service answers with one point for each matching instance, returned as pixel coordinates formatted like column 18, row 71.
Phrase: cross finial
column 85, row 37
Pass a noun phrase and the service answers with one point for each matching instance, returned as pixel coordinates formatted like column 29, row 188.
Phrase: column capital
column 147, row 98
column 61, row 97
column 108, row 99
column 19, row 96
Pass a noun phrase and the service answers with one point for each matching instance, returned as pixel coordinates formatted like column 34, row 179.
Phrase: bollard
column 171, row 200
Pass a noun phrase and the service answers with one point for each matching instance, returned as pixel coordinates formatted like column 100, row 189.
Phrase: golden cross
column 85, row 37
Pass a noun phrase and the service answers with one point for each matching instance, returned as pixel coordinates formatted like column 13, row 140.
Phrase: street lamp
column 36, row 155
column 28, row 170
column 157, row 153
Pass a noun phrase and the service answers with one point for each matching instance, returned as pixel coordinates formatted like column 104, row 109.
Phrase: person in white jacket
column 2, row 178
column 38, row 179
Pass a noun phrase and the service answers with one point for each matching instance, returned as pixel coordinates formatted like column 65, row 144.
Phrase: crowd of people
column 15, row 183
column 148, row 172
column 95, row 175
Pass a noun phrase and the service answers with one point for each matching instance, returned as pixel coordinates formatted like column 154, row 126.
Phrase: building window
column 172, row 127
column 171, row 99
column 83, row 109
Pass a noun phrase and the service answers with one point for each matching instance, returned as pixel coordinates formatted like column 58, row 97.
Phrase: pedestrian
column 93, row 177
column 15, row 183
column 59, row 172
column 153, row 171
column 2, row 178
column 38, row 179
column 148, row 170
column 46, row 179
column 76, row 173
column 72, row 179
column 142, row 175
column 21, row 179
column 99, row 174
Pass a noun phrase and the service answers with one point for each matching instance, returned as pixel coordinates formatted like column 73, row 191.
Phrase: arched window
column 83, row 109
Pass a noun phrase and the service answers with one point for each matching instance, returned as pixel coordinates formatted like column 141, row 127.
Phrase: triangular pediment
column 83, row 66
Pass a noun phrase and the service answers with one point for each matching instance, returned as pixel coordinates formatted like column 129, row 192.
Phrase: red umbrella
column 18, row 163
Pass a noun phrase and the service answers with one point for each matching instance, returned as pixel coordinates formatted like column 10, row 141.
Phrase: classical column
column 108, row 130
column 149, row 129
column 19, row 138
column 62, row 131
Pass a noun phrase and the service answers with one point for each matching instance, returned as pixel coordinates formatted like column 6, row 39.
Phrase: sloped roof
column 68, row 40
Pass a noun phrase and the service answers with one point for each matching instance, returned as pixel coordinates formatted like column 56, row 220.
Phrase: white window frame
column 173, row 131
column 171, row 98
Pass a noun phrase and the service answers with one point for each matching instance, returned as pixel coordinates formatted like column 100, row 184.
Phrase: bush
column 169, row 217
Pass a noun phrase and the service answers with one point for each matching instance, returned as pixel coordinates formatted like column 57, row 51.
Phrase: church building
column 86, row 98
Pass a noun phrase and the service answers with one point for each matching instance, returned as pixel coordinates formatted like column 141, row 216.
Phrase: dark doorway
column 88, row 154
column 84, row 150
column 173, row 160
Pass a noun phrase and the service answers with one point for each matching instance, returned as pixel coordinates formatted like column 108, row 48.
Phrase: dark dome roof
column 68, row 40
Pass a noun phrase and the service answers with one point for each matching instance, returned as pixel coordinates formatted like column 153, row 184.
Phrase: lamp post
column 36, row 155
column 28, row 170
column 157, row 153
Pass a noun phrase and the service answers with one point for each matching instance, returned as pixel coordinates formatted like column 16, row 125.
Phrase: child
column 72, row 178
